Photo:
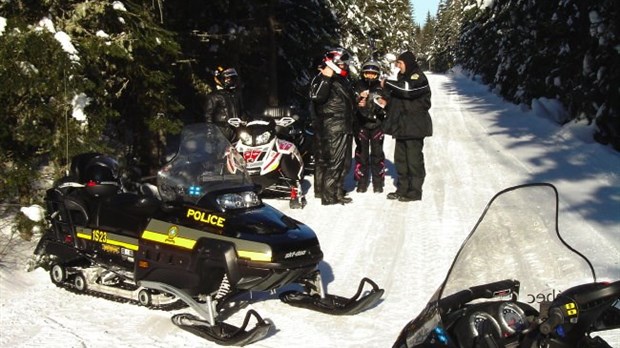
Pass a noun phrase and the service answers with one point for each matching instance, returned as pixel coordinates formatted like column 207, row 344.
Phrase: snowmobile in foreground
column 516, row 283
column 204, row 239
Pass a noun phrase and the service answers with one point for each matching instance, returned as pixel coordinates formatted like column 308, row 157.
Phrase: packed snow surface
column 481, row 145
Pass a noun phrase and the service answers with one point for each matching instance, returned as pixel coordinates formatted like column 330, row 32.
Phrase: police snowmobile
column 202, row 239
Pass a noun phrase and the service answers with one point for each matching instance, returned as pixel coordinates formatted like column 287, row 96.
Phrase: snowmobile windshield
column 205, row 162
column 517, row 238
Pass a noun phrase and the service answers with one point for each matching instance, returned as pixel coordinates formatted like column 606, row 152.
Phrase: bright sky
column 422, row 7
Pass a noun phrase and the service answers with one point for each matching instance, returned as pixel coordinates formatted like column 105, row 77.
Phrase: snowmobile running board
column 210, row 329
column 333, row 304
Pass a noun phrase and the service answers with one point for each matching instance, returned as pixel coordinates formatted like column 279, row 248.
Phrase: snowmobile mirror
column 285, row 121
column 235, row 122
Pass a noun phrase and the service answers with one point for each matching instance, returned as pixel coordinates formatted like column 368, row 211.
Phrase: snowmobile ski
column 210, row 328
column 334, row 304
column 223, row 333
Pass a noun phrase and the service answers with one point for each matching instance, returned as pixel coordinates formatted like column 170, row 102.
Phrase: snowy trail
column 480, row 146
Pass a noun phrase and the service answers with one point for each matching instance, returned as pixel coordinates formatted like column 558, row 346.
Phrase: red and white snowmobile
column 274, row 164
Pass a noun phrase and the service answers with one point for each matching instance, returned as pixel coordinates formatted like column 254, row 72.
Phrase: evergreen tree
column 566, row 50
column 270, row 43
column 95, row 53
column 39, row 82
column 380, row 27
column 426, row 43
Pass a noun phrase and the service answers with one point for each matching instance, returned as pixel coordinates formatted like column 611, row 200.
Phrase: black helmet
column 373, row 68
column 101, row 176
column 226, row 78
column 338, row 60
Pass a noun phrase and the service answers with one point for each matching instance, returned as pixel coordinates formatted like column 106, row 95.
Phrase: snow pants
column 409, row 163
column 369, row 158
column 336, row 162
column 319, row 164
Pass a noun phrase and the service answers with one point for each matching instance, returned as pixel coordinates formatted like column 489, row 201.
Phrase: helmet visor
column 338, row 57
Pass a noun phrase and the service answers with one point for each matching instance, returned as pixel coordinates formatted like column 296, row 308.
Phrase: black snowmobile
column 516, row 283
column 203, row 239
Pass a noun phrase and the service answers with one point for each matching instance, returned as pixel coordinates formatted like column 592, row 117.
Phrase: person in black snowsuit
column 333, row 105
column 225, row 102
column 369, row 155
column 409, row 122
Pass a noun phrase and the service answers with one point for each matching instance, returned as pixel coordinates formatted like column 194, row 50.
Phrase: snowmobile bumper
column 266, row 276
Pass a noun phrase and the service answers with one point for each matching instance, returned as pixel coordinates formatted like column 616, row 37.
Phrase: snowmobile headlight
column 263, row 138
column 246, row 139
column 239, row 200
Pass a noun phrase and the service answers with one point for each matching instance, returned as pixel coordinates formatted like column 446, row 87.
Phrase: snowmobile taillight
column 91, row 183
column 293, row 193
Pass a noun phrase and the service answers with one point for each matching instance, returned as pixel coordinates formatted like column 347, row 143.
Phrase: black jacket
column 333, row 102
column 222, row 105
column 371, row 115
column 408, row 104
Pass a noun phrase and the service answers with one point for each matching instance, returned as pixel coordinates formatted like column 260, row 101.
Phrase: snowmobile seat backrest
column 54, row 203
column 77, row 210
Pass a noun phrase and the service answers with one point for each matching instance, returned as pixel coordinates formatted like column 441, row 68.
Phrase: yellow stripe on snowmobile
column 84, row 236
column 169, row 239
column 254, row 256
column 122, row 244
column 104, row 238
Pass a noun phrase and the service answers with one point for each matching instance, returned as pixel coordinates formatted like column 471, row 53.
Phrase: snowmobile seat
column 278, row 112
column 135, row 204
column 126, row 213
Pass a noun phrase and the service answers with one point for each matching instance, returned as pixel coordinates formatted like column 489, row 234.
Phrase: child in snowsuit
column 369, row 155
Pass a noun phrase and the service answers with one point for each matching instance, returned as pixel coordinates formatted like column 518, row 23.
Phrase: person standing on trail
column 333, row 104
column 369, row 155
column 408, row 122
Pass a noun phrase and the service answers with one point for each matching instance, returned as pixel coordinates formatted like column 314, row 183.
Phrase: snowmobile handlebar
column 282, row 122
column 568, row 306
column 556, row 317
column 236, row 122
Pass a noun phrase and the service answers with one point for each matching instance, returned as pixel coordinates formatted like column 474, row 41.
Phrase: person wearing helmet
column 409, row 122
column 369, row 155
column 225, row 102
column 333, row 105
